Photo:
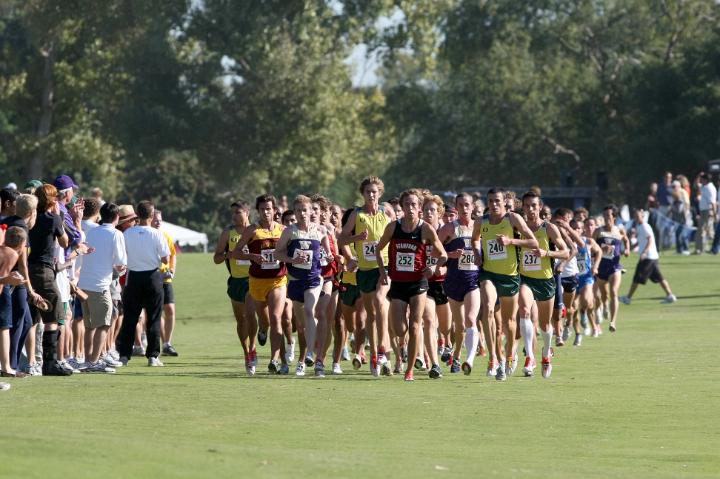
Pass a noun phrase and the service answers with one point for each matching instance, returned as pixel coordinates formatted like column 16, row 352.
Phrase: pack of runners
column 419, row 279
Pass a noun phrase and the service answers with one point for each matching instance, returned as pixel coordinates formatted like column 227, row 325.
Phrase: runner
column 537, row 284
column 461, row 283
column 611, row 239
column 238, row 283
column 268, row 280
column 588, row 261
column 364, row 228
column 437, row 311
column 408, row 269
column 499, row 277
column 299, row 247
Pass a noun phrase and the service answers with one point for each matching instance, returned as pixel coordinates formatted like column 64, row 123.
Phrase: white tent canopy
column 185, row 236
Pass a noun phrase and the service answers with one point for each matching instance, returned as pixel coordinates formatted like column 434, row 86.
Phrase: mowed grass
column 642, row 402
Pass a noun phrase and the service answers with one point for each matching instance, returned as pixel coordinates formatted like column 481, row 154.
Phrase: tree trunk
column 36, row 168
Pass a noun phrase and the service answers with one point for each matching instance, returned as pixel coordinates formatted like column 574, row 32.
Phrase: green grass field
column 643, row 402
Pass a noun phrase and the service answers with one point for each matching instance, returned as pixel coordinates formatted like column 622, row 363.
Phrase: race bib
column 496, row 251
column 309, row 256
column 582, row 267
column 368, row 250
column 531, row 261
column 405, row 262
column 269, row 261
column 466, row 261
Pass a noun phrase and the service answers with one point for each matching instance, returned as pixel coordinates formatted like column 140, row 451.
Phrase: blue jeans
column 681, row 240
column 21, row 324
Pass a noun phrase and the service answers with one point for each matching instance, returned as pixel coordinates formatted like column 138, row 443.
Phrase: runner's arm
column 221, row 252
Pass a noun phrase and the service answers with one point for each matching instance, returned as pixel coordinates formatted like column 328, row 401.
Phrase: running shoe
column 374, row 366
column 454, row 366
column 290, row 353
column 625, row 300
column 155, row 362
column 435, row 372
column 492, row 368
column 67, row 366
column 309, row 362
column 409, row 375
column 138, row 350
column 384, row 365
column 612, row 327
column 596, row 333
column 398, row 368
column 466, row 368
column 319, row 369
column 345, row 354
column 587, row 331
column 300, row 369
column 500, row 374
column 249, row 368
column 262, row 337
column 566, row 333
column 669, row 299
column 99, row 367
column 559, row 341
column 546, row 367
column 273, row 366
column 419, row 363
column 578, row 340
column 583, row 320
column 512, row 366
column 284, row 369
column 446, row 355
column 110, row 361
column 253, row 356
column 529, row 368
column 169, row 350
column 337, row 370
column 357, row 362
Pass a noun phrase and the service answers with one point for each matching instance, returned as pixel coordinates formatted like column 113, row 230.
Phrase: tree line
column 195, row 103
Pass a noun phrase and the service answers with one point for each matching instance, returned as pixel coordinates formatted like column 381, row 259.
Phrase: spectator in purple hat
column 66, row 191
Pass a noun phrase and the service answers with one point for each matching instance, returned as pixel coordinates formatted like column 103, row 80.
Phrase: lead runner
column 409, row 271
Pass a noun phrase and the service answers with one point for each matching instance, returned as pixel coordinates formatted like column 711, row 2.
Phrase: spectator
column 664, row 193
column 95, row 278
column 707, row 206
column 8, row 197
column 146, row 250
column 680, row 214
column 66, row 192
column 97, row 194
column 10, row 251
column 168, row 272
column 32, row 185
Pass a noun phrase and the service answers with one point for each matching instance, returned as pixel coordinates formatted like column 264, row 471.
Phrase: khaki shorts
column 97, row 309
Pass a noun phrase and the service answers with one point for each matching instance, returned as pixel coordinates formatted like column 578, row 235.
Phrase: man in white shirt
column 708, row 207
column 647, row 266
column 146, row 250
column 95, row 278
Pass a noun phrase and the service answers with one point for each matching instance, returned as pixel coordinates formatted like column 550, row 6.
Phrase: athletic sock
column 472, row 336
column 547, row 340
column 528, row 333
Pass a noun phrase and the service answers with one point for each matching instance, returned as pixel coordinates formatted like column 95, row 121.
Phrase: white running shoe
column 588, row 331
column 669, row 299
column 512, row 366
column 336, row 368
column 35, row 369
column 529, row 368
column 155, row 362
column 345, row 354
column 114, row 354
column 68, row 367
column 250, row 369
column 492, row 369
column 300, row 369
column 625, row 300
column 110, row 361
column 357, row 362
column 99, row 367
